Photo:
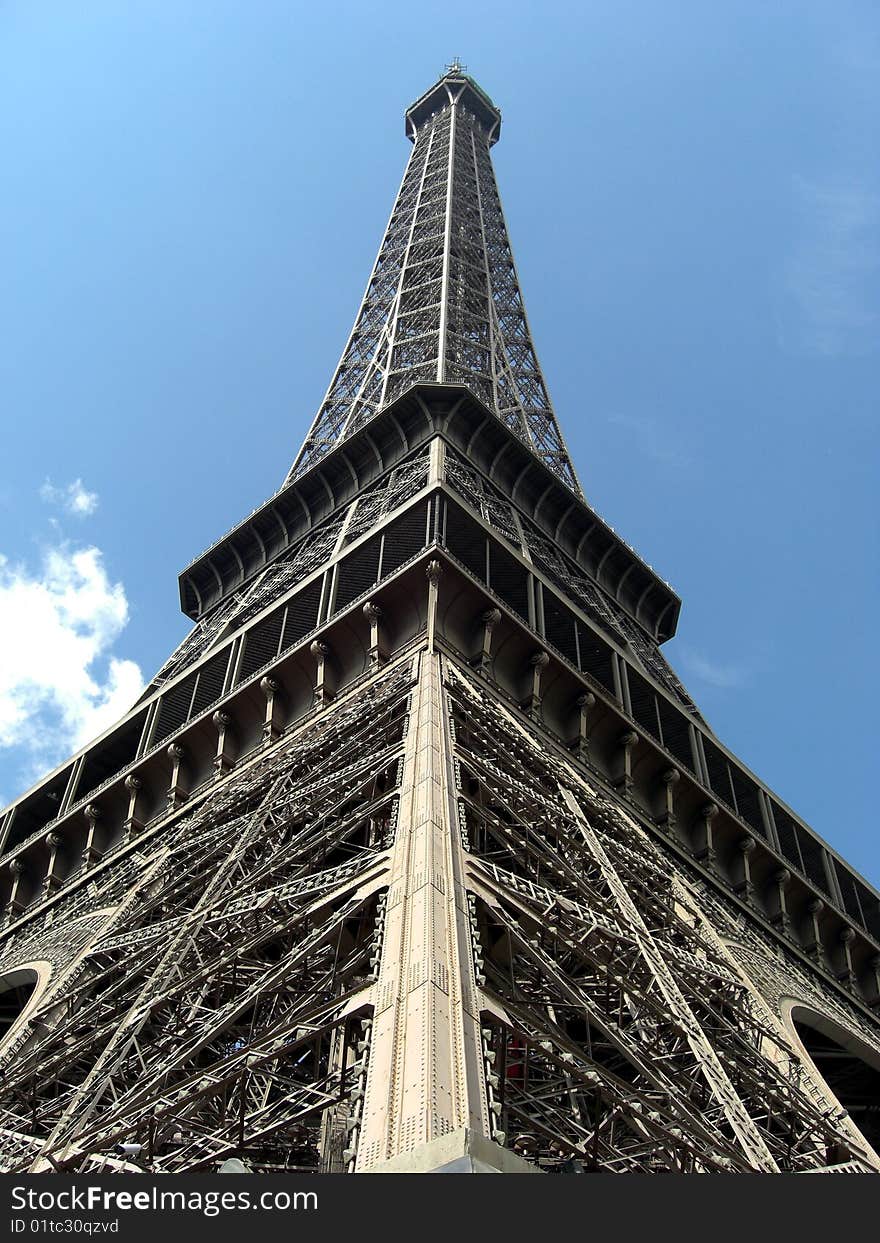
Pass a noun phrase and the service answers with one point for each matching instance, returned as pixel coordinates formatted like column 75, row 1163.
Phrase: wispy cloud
column 651, row 438
column 60, row 682
column 74, row 498
column 829, row 305
column 711, row 672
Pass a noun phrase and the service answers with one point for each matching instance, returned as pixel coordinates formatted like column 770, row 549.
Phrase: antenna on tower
column 456, row 66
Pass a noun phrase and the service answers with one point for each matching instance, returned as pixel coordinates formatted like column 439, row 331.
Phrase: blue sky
column 194, row 194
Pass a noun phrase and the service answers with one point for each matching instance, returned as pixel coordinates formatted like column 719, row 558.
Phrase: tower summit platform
column 455, row 89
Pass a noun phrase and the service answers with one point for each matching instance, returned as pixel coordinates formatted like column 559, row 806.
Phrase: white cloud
column 651, row 438
column 829, row 305
column 827, row 301
column 702, row 668
column 60, row 684
column 75, row 498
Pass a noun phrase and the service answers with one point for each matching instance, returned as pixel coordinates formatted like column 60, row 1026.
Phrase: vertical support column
column 92, row 851
column 437, row 461
column 847, row 973
column 532, row 702
column 320, row 651
column 426, row 1076
column 223, row 759
column 623, row 780
column 271, row 688
column 490, row 620
column 581, row 744
column 670, row 779
column 16, row 905
column 780, row 915
column 176, row 790
column 133, row 822
column 377, row 654
column 813, row 939
column 704, row 847
column 743, row 883
column 433, row 571
column 52, row 879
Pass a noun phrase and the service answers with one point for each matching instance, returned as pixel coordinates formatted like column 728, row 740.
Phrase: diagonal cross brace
column 714, row 1073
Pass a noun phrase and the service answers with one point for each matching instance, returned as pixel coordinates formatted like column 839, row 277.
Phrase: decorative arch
column 846, row 1066
column 21, row 989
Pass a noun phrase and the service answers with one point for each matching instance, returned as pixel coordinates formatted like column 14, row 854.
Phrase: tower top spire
column 443, row 304
column 455, row 88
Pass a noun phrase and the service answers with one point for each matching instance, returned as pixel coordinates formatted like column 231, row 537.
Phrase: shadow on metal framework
column 416, row 854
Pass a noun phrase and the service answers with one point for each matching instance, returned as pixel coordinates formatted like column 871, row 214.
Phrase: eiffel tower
column 416, row 854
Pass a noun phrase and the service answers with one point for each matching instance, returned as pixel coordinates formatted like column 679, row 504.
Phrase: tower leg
column 425, row 1081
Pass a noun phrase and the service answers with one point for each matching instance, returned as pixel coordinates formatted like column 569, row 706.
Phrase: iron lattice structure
column 417, row 851
column 443, row 301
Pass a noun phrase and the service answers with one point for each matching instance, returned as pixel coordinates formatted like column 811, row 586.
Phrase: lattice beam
column 443, row 302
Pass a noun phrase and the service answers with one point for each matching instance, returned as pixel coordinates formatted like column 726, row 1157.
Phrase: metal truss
column 398, row 907
column 408, row 878
column 631, row 1039
column 443, row 302
column 215, row 999
column 235, row 612
column 524, row 534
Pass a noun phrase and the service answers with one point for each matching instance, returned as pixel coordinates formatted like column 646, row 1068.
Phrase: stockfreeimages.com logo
column 91, row 1199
